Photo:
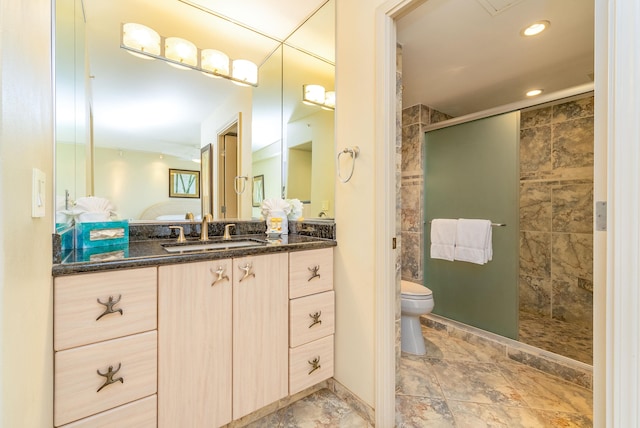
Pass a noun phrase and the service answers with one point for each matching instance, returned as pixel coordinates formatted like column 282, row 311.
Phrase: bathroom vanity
column 191, row 339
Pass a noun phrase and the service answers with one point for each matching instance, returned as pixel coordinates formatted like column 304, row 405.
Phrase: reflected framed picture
column 184, row 183
column 257, row 190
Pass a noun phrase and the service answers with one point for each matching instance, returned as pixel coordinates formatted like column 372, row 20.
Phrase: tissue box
column 99, row 234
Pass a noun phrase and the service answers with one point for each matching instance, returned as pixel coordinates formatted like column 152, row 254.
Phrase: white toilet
column 415, row 300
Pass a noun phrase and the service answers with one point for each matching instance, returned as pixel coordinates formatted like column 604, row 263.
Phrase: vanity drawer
column 310, row 363
column 311, row 318
column 80, row 391
column 310, row 272
column 80, row 318
column 139, row 414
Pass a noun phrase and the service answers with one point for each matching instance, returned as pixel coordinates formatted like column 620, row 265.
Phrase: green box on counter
column 103, row 233
column 103, row 254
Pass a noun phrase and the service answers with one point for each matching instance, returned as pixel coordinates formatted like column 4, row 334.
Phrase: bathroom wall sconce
column 316, row 95
column 144, row 42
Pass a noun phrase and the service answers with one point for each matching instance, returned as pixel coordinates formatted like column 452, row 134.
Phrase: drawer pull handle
column 316, row 318
column 314, row 272
column 109, row 376
column 247, row 271
column 109, row 306
column 221, row 275
column 315, row 364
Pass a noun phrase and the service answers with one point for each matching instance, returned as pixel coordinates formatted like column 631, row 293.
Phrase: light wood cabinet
column 93, row 307
column 194, row 344
column 260, row 332
column 310, row 364
column 311, row 272
column 106, row 345
column 138, row 414
column 311, row 318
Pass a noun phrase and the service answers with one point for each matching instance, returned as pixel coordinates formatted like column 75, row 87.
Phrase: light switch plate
column 38, row 192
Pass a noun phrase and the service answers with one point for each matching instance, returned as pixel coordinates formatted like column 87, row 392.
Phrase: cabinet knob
column 109, row 306
column 315, row 364
column 314, row 272
column 316, row 318
column 221, row 275
column 109, row 379
column 247, row 271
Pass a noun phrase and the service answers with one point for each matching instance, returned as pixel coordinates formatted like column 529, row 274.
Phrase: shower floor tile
column 562, row 338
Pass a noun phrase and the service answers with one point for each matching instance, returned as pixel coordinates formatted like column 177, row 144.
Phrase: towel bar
column 492, row 224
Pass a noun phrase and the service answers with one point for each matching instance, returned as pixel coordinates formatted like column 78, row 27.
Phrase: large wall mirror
column 122, row 122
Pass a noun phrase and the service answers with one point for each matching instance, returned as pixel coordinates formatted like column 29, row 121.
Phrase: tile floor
column 457, row 384
column 569, row 339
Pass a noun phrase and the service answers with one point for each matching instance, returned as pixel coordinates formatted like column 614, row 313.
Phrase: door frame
column 233, row 126
column 616, row 251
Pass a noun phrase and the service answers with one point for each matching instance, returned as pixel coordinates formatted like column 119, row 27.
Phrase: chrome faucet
column 204, row 229
column 322, row 214
column 227, row 236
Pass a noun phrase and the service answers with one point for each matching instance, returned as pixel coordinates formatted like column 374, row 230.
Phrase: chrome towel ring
column 353, row 152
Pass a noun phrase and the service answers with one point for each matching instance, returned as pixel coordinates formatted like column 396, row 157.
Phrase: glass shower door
column 471, row 171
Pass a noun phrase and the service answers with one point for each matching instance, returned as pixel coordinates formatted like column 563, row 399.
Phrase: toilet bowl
column 415, row 300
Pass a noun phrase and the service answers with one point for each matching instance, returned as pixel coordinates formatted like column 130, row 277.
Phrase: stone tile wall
column 556, row 214
column 414, row 121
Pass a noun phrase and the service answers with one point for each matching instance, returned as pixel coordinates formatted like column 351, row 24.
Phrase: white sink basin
column 204, row 246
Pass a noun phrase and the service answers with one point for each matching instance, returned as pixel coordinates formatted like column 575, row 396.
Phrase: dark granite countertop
column 151, row 252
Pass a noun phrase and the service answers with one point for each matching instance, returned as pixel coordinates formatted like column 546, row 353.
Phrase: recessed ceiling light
column 534, row 92
column 535, row 28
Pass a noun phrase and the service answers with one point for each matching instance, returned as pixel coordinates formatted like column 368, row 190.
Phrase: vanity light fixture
column 535, row 28
column 533, row 92
column 182, row 52
column 244, row 72
column 214, row 61
column 316, row 95
column 144, row 42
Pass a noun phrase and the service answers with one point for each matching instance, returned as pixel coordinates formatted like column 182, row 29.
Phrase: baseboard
column 362, row 408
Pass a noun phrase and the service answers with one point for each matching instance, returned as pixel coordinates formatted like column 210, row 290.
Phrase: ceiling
column 465, row 56
column 147, row 104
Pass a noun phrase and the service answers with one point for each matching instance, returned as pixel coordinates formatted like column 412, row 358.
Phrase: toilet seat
column 411, row 290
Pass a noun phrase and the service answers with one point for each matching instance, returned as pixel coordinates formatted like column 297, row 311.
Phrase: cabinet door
column 194, row 344
column 260, row 326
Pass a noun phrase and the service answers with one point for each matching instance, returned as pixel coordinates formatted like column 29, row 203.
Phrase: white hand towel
column 443, row 238
column 473, row 241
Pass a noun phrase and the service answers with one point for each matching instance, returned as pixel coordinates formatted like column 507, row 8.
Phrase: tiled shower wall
column 414, row 121
column 556, row 211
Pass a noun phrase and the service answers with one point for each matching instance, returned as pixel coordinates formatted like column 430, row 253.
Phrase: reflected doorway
column 227, row 172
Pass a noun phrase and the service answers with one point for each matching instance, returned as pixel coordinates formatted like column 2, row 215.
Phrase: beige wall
column 26, row 136
column 223, row 116
column 355, row 216
column 133, row 181
column 319, row 129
